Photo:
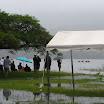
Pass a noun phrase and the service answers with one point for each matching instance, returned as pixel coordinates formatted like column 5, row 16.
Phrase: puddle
column 13, row 96
column 69, row 77
column 70, row 86
column 64, row 85
column 25, row 97
column 76, row 77
column 96, row 82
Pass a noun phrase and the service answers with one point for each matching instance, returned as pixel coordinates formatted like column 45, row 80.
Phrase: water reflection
column 36, row 94
column 8, row 96
column 6, row 93
column 59, row 84
column 76, row 77
column 65, row 85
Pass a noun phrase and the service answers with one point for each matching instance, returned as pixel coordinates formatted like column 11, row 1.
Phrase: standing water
column 25, row 97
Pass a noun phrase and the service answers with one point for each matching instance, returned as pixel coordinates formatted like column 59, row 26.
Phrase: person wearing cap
column 49, row 60
column 34, row 62
column 38, row 60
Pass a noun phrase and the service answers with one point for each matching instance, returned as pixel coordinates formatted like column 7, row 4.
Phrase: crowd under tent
column 77, row 40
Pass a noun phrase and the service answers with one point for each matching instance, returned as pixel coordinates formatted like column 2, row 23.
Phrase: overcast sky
column 58, row 15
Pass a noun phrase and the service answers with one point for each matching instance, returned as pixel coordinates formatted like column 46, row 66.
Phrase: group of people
column 24, row 69
column 37, row 60
column 6, row 63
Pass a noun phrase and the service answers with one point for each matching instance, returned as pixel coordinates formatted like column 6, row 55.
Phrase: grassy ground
column 25, row 75
column 28, row 81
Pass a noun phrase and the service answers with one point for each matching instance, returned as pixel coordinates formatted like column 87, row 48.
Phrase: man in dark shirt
column 27, row 68
column 13, row 66
column 59, row 64
column 38, row 60
column 49, row 60
column 19, row 67
column 34, row 62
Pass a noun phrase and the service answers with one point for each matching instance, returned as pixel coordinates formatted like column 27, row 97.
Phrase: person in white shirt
column 2, row 61
column 1, row 64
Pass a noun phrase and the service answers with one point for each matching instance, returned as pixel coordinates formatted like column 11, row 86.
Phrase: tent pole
column 72, row 69
column 48, row 72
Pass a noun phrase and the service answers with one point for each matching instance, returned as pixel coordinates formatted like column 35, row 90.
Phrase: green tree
column 21, row 32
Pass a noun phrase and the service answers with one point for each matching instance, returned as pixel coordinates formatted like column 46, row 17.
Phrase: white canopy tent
column 77, row 40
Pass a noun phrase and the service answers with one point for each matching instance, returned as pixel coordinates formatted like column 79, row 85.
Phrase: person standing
column 34, row 62
column 1, row 64
column 49, row 60
column 7, row 63
column 59, row 64
column 38, row 60
column 2, row 61
column 13, row 67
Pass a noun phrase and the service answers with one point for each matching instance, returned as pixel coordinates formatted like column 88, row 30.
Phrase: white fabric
column 77, row 40
column 2, row 62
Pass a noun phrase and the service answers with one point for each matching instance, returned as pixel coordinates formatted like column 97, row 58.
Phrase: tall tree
column 21, row 32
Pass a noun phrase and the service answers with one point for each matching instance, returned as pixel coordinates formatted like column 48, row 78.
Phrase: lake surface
column 87, row 66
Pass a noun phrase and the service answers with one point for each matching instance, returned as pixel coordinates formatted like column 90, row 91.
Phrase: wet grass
column 94, row 70
column 93, row 85
column 31, row 75
column 28, row 80
column 67, row 103
column 98, row 103
column 85, row 93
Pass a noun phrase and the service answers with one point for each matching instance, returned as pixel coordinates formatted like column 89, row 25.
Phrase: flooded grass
column 60, row 83
column 98, row 103
column 83, row 87
column 93, row 70
column 78, row 92
column 26, row 97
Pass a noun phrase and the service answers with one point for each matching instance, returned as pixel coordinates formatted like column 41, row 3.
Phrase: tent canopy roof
column 77, row 40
